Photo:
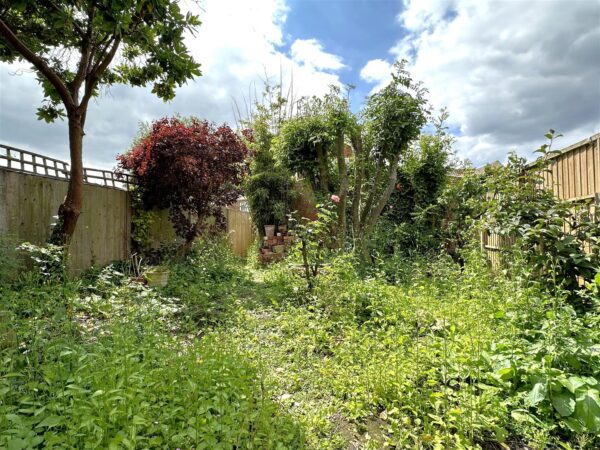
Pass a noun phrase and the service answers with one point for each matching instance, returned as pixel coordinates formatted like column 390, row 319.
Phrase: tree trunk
column 323, row 175
column 70, row 209
column 359, row 171
column 343, row 177
column 370, row 216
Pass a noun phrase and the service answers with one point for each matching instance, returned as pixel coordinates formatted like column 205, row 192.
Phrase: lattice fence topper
column 19, row 160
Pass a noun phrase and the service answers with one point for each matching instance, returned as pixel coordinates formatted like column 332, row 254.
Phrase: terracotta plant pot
column 270, row 230
column 283, row 228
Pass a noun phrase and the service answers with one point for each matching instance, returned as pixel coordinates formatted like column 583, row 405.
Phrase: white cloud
column 237, row 44
column 424, row 14
column 507, row 71
column 309, row 52
column 377, row 71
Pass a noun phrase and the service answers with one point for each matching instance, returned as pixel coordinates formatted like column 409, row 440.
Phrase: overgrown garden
column 384, row 326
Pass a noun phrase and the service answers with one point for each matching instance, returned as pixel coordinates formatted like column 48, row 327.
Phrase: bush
column 559, row 242
column 190, row 167
column 268, row 191
column 206, row 280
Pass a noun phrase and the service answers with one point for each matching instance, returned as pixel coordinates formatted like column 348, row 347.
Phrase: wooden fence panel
column 33, row 186
column 574, row 175
column 28, row 206
column 239, row 229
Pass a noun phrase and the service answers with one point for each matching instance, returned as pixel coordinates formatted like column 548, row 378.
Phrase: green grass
column 107, row 365
column 227, row 356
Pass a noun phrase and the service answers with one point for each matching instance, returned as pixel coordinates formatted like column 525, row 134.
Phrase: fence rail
column 24, row 161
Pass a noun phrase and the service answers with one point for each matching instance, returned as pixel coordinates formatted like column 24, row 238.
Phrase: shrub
column 560, row 242
column 269, row 187
column 413, row 219
column 192, row 168
column 206, row 280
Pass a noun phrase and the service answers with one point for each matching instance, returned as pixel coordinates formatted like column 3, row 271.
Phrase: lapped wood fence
column 573, row 175
column 32, row 186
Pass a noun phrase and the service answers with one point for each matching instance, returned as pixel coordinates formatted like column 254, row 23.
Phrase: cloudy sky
column 506, row 70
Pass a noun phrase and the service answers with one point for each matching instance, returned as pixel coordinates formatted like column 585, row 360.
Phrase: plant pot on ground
column 157, row 276
column 270, row 230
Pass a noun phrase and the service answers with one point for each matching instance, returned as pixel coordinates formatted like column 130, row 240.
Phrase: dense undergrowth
column 104, row 362
column 228, row 356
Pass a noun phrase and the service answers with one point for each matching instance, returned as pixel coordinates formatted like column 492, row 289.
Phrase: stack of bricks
column 274, row 248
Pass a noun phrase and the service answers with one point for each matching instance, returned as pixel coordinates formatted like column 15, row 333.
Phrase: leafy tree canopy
column 70, row 42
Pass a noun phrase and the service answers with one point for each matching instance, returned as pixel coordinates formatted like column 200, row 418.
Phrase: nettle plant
column 192, row 168
column 559, row 240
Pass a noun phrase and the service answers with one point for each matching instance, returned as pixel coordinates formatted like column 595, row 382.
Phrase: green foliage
column 463, row 205
column 102, row 362
column 305, row 143
column 393, row 116
column 206, row 281
column 442, row 359
column 150, row 35
column 50, row 262
column 268, row 189
column 299, row 143
column 551, row 234
column 269, row 193
column 141, row 223
column 550, row 373
column 413, row 220
column 10, row 263
column 314, row 239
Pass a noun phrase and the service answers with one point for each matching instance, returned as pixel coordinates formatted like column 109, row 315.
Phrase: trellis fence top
column 19, row 160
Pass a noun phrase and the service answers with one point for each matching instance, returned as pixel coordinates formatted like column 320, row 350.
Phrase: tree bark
column 343, row 194
column 323, row 175
column 359, row 175
column 70, row 209
column 369, row 216
column 374, row 188
column 385, row 196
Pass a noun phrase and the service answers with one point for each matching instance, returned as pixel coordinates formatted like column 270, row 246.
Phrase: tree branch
column 38, row 63
column 96, row 73
column 369, row 203
column 76, row 24
column 356, row 139
column 392, row 177
column 86, row 52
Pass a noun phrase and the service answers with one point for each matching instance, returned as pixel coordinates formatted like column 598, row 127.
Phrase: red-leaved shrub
column 192, row 168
